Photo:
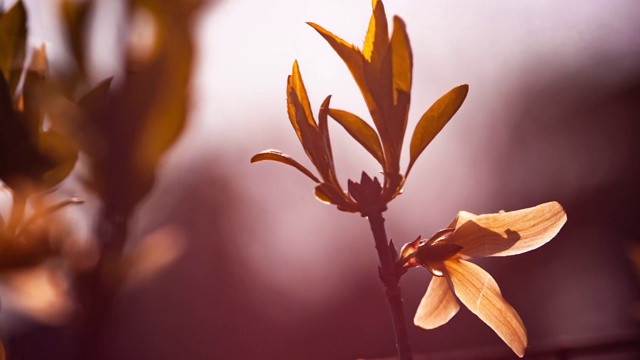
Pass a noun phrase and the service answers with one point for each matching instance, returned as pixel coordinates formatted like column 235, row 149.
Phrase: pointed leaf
column 508, row 233
column 360, row 131
column 402, row 58
column 434, row 120
column 349, row 53
column 301, row 117
column 275, row 155
column 480, row 293
column 438, row 305
column 323, row 126
column 376, row 42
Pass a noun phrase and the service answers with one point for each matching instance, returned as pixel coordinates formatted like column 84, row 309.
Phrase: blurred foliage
column 122, row 125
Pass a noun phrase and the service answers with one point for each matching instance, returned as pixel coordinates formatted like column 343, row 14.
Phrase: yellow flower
column 471, row 236
column 382, row 71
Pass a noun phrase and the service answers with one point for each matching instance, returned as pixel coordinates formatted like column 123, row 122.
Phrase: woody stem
column 390, row 278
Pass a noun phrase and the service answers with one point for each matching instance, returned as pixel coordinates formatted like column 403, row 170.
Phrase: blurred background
column 553, row 113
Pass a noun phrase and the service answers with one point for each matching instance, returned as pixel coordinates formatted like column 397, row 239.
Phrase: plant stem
column 96, row 287
column 390, row 278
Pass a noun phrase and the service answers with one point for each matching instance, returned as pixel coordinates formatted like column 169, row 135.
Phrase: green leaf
column 362, row 132
column 13, row 41
column 434, row 120
column 275, row 155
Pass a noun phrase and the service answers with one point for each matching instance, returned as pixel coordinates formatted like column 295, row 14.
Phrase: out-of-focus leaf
column 40, row 292
column 75, row 15
column 360, row 131
column 62, row 154
column 13, row 41
column 145, row 114
column 152, row 255
column 275, row 155
column 434, row 119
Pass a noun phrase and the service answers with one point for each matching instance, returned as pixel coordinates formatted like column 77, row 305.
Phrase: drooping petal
column 480, row 293
column 438, row 305
column 433, row 120
column 360, row 131
column 508, row 233
column 275, row 155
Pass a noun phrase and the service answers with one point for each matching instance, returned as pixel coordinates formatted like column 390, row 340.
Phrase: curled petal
column 275, row 155
column 434, row 119
column 479, row 292
column 437, row 306
column 507, row 233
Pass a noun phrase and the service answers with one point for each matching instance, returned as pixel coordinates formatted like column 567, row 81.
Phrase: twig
column 390, row 278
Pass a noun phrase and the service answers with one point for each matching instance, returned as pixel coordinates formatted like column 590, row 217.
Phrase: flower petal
column 508, row 233
column 434, row 119
column 360, row 131
column 276, row 155
column 480, row 293
column 438, row 305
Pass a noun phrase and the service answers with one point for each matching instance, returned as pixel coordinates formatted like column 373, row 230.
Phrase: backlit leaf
column 360, row 131
column 401, row 58
column 434, row 120
column 376, row 42
column 13, row 40
column 275, row 155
